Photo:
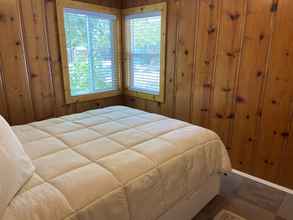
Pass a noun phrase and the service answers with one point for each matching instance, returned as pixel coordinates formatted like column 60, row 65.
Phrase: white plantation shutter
column 91, row 51
column 144, row 48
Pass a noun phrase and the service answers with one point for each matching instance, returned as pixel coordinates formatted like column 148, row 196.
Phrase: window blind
column 91, row 51
column 144, row 48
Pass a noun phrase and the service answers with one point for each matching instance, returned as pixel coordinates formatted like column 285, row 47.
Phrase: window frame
column 162, row 7
column 61, row 5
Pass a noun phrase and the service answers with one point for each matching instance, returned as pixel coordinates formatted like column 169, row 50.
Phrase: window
column 144, row 38
column 89, row 39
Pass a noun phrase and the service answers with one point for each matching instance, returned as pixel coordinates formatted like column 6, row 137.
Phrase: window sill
column 90, row 97
column 156, row 98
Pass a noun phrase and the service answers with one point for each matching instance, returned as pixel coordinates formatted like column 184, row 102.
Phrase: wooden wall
column 31, row 86
column 230, row 69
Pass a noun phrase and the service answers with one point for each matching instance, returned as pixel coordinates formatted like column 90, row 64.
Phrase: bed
column 118, row 163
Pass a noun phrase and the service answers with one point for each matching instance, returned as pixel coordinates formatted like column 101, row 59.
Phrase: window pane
column 90, row 51
column 145, row 47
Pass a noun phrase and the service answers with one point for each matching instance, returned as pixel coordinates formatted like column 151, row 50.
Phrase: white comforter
column 115, row 163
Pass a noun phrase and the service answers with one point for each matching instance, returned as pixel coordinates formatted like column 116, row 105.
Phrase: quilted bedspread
column 115, row 163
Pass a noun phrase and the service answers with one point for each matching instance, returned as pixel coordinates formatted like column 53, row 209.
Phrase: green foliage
column 90, row 54
column 146, row 34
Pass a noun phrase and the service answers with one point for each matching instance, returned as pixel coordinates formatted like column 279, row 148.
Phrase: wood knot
column 211, row 6
column 226, row 89
column 33, row 75
column 234, row 16
column 274, row 7
column 247, row 117
column 219, row 115
column 261, row 37
column 230, row 54
column 2, row 17
column 204, row 110
column 285, row 134
column 274, row 102
column 259, row 74
column 207, row 85
column 186, row 52
column 259, row 113
column 231, row 116
column 239, row 99
column 17, row 43
column 211, row 29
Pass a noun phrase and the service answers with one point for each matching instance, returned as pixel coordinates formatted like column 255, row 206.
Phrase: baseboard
column 265, row 182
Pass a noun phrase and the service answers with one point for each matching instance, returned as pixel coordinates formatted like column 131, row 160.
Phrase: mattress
column 113, row 163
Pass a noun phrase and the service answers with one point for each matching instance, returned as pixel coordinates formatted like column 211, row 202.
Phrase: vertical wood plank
column 60, row 108
column 172, row 19
column 184, row 58
column 228, row 56
column 277, row 103
column 3, row 102
column 257, row 39
column 285, row 177
column 208, row 29
column 14, row 66
column 35, row 39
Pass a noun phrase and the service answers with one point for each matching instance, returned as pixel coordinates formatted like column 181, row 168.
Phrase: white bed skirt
column 191, row 205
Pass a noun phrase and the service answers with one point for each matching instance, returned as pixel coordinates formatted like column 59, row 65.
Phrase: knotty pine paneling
column 252, row 75
column 227, row 58
column 206, row 46
column 186, row 29
column 229, row 68
column 15, row 74
column 31, row 84
column 37, row 56
column 274, row 128
column 3, row 103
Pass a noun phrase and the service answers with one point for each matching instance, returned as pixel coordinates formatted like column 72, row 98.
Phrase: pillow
column 16, row 167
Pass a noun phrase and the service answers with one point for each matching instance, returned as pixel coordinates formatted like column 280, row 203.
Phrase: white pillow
column 15, row 166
